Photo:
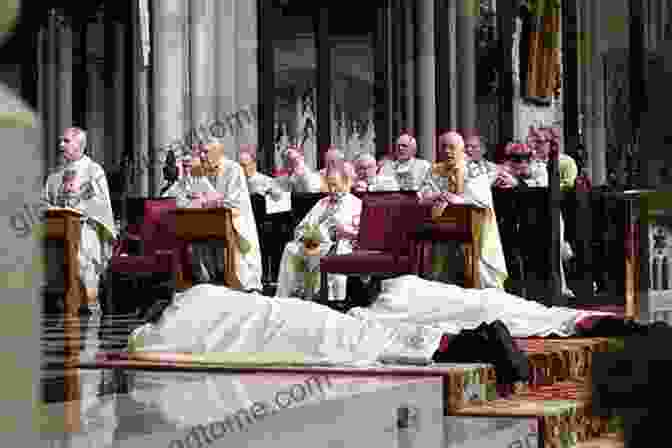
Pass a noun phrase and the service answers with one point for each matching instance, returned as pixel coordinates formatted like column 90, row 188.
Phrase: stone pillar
column 50, row 87
column 225, row 72
column 247, row 84
column 408, row 83
column 140, row 185
column 598, row 144
column 266, row 90
column 467, row 20
column 452, row 62
column 120, row 89
column 324, row 82
column 587, row 63
column 202, row 66
column 425, row 80
column 445, row 94
column 64, row 75
column 96, row 111
column 507, row 27
column 169, row 60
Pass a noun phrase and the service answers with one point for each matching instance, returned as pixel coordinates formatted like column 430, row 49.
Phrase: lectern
column 202, row 224
column 64, row 224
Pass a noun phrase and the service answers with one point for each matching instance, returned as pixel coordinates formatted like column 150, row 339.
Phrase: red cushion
column 141, row 264
column 366, row 261
column 158, row 227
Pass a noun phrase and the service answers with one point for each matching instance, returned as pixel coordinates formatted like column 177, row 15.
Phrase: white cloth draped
column 327, row 216
column 408, row 320
column 98, row 227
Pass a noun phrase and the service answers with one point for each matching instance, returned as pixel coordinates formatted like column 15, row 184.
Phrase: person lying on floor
column 410, row 318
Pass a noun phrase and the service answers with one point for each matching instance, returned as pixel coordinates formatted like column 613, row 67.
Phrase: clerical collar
column 69, row 164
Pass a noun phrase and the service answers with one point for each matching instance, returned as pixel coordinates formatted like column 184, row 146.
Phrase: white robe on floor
column 327, row 215
column 408, row 320
column 98, row 228
column 409, row 174
column 492, row 264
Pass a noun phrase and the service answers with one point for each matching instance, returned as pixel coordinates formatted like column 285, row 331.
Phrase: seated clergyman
column 257, row 183
column 449, row 182
column 80, row 183
column 300, row 178
column 330, row 227
column 368, row 178
column 403, row 164
column 219, row 182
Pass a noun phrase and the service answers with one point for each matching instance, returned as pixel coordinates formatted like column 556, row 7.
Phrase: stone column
column 50, row 87
column 120, row 88
column 467, row 20
column 225, row 72
column 408, row 83
column 587, row 61
column 96, row 112
column 445, row 94
column 247, row 85
column 140, row 185
column 202, row 66
column 598, row 144
column 452, row 62
column 169, row 60
column 425, row 80
column 64, row 75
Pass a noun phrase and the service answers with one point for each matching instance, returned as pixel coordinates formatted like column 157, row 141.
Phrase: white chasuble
column 208, row 257
column 492, row 264
column 98, row 228
column 338, row 208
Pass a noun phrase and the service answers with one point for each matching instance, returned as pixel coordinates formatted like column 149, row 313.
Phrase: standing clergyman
column 80, row 183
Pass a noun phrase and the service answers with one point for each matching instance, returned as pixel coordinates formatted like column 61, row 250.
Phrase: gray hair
column 364, row 157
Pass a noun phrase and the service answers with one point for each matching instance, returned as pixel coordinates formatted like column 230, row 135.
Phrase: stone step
column 555, row 360
column 563, row 411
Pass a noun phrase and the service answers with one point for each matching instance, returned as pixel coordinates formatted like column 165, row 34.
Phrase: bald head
column 451, row 146
column 407, row 147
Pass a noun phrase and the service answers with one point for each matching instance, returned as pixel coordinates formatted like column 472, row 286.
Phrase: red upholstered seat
column 386, row 225
column 162, row 252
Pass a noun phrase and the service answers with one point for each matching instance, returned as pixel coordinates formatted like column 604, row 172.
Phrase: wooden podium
column 200, row 224
column 65, row 225
column 462, row 223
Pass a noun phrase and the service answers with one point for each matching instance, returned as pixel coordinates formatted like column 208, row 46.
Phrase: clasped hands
column 445, row 198
column 504, row 178
column 209, row 200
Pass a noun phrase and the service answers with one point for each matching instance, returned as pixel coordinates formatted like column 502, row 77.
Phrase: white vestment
column 492, row 264
column 409, row 174
column 259, row 183
column 325, row 214
column 98, row 228
column 208, row 257
column 408, row 320
column 381, row 182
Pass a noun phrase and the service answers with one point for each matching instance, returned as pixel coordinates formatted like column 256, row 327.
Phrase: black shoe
column 510, row 363
column 612, row 327
column 154, row 313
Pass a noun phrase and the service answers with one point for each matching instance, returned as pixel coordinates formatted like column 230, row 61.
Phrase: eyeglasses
column 520, row 158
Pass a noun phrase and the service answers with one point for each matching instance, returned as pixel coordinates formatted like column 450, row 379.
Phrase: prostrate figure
column 404, row 166
column 367, row 179
column 300, row 178
column 257, row 183
column 330, row 227
column 448, row 183
column 80, row 183
column 229, row 189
